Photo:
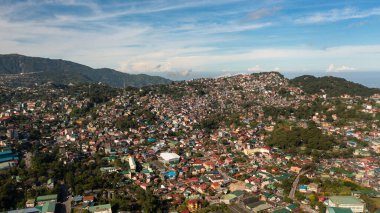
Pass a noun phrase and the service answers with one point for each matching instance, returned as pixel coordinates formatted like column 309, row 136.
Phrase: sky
column 184, row 39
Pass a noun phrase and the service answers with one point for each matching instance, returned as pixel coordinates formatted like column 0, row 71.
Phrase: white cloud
column 263, row 12
column 343, row 68
column 180, row 73
column 112, row 10
column 205, row 59
column 143, row 47
column 256, row 68
column 233, row 28
column 338, row 15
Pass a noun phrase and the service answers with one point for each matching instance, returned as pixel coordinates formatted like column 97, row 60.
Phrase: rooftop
column 99, row 207
column 345, row 200
column 338, row 210
column 169, row 156
column 47, row 197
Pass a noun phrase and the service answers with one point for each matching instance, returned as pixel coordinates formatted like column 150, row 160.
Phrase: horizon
column 186, row 40
column 365, row 78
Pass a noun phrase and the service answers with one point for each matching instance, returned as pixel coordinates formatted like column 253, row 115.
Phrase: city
column 201, row 145
column 197, row 106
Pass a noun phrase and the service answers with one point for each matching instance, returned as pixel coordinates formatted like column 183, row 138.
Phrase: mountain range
column 19, row 70
column 33, row 70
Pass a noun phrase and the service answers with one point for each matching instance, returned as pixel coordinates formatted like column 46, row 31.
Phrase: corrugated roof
column 47, row 197
column 169, row 156
column 345, row 200
column 338, row 210
column 99, row 207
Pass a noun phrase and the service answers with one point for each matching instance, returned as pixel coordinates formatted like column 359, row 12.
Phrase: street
column 295, row 184
column 64, row 200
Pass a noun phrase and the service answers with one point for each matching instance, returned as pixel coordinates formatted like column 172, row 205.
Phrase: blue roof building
column 8, row 159
column 171, row 174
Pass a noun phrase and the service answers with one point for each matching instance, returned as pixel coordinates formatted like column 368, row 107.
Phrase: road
column 64, row 200
column 226, row 176
column 295, row 184
column 28, row 160
column 68, row 204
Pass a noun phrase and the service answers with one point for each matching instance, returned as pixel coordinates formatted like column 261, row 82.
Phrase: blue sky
column 188, row 39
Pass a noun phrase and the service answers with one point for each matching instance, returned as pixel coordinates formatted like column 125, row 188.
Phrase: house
column 255, row 205
column 8, row 159
column 292, row 207
column 171, row 174
column 105, row 208
column 303, row 188
column 238, row 193
column 313, row 187
column 108, row 169
column 193, row 205
column 228, row 199
column 30, row 203
column 295, row 169
column 88, row 199
column 209, row 165
column 215, row 186
column 351, row 202
column 27, row 210
column 77, row 199
column 260, row 206
column 41, row 200
column 217, row 178
column 144, row 186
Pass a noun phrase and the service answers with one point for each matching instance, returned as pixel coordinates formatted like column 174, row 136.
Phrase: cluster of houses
column 162, row 150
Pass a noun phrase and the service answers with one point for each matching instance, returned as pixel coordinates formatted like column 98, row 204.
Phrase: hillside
column 332, row 86
column 42, row 70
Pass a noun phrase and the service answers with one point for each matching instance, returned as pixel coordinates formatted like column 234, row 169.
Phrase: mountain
column 32, row 70
column 332, row 86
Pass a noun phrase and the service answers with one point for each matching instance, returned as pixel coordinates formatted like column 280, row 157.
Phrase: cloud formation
column 338, row 15
column 343, row 68
column 263, row 12
column 256, row 68
column 192, row 38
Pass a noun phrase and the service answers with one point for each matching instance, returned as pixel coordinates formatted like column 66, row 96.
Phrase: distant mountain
column 41, row 70
column 332, row 86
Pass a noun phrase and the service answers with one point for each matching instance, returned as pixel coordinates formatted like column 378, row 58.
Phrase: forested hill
column 42, row 70
column 332, row 86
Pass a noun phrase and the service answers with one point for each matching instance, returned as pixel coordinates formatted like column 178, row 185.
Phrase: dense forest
column 292, row 139
column 332, row 86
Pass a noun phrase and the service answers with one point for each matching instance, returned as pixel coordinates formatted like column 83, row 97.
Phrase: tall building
column 132, row 163
column 12, row 134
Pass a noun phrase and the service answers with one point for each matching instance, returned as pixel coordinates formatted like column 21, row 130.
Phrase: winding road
column 295, row 184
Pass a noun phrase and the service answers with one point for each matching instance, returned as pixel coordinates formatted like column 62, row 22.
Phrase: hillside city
column 245, row 143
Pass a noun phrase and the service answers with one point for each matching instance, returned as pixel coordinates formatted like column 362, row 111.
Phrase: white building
column 132, row 163
column 351, row 202
column 171, row 158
